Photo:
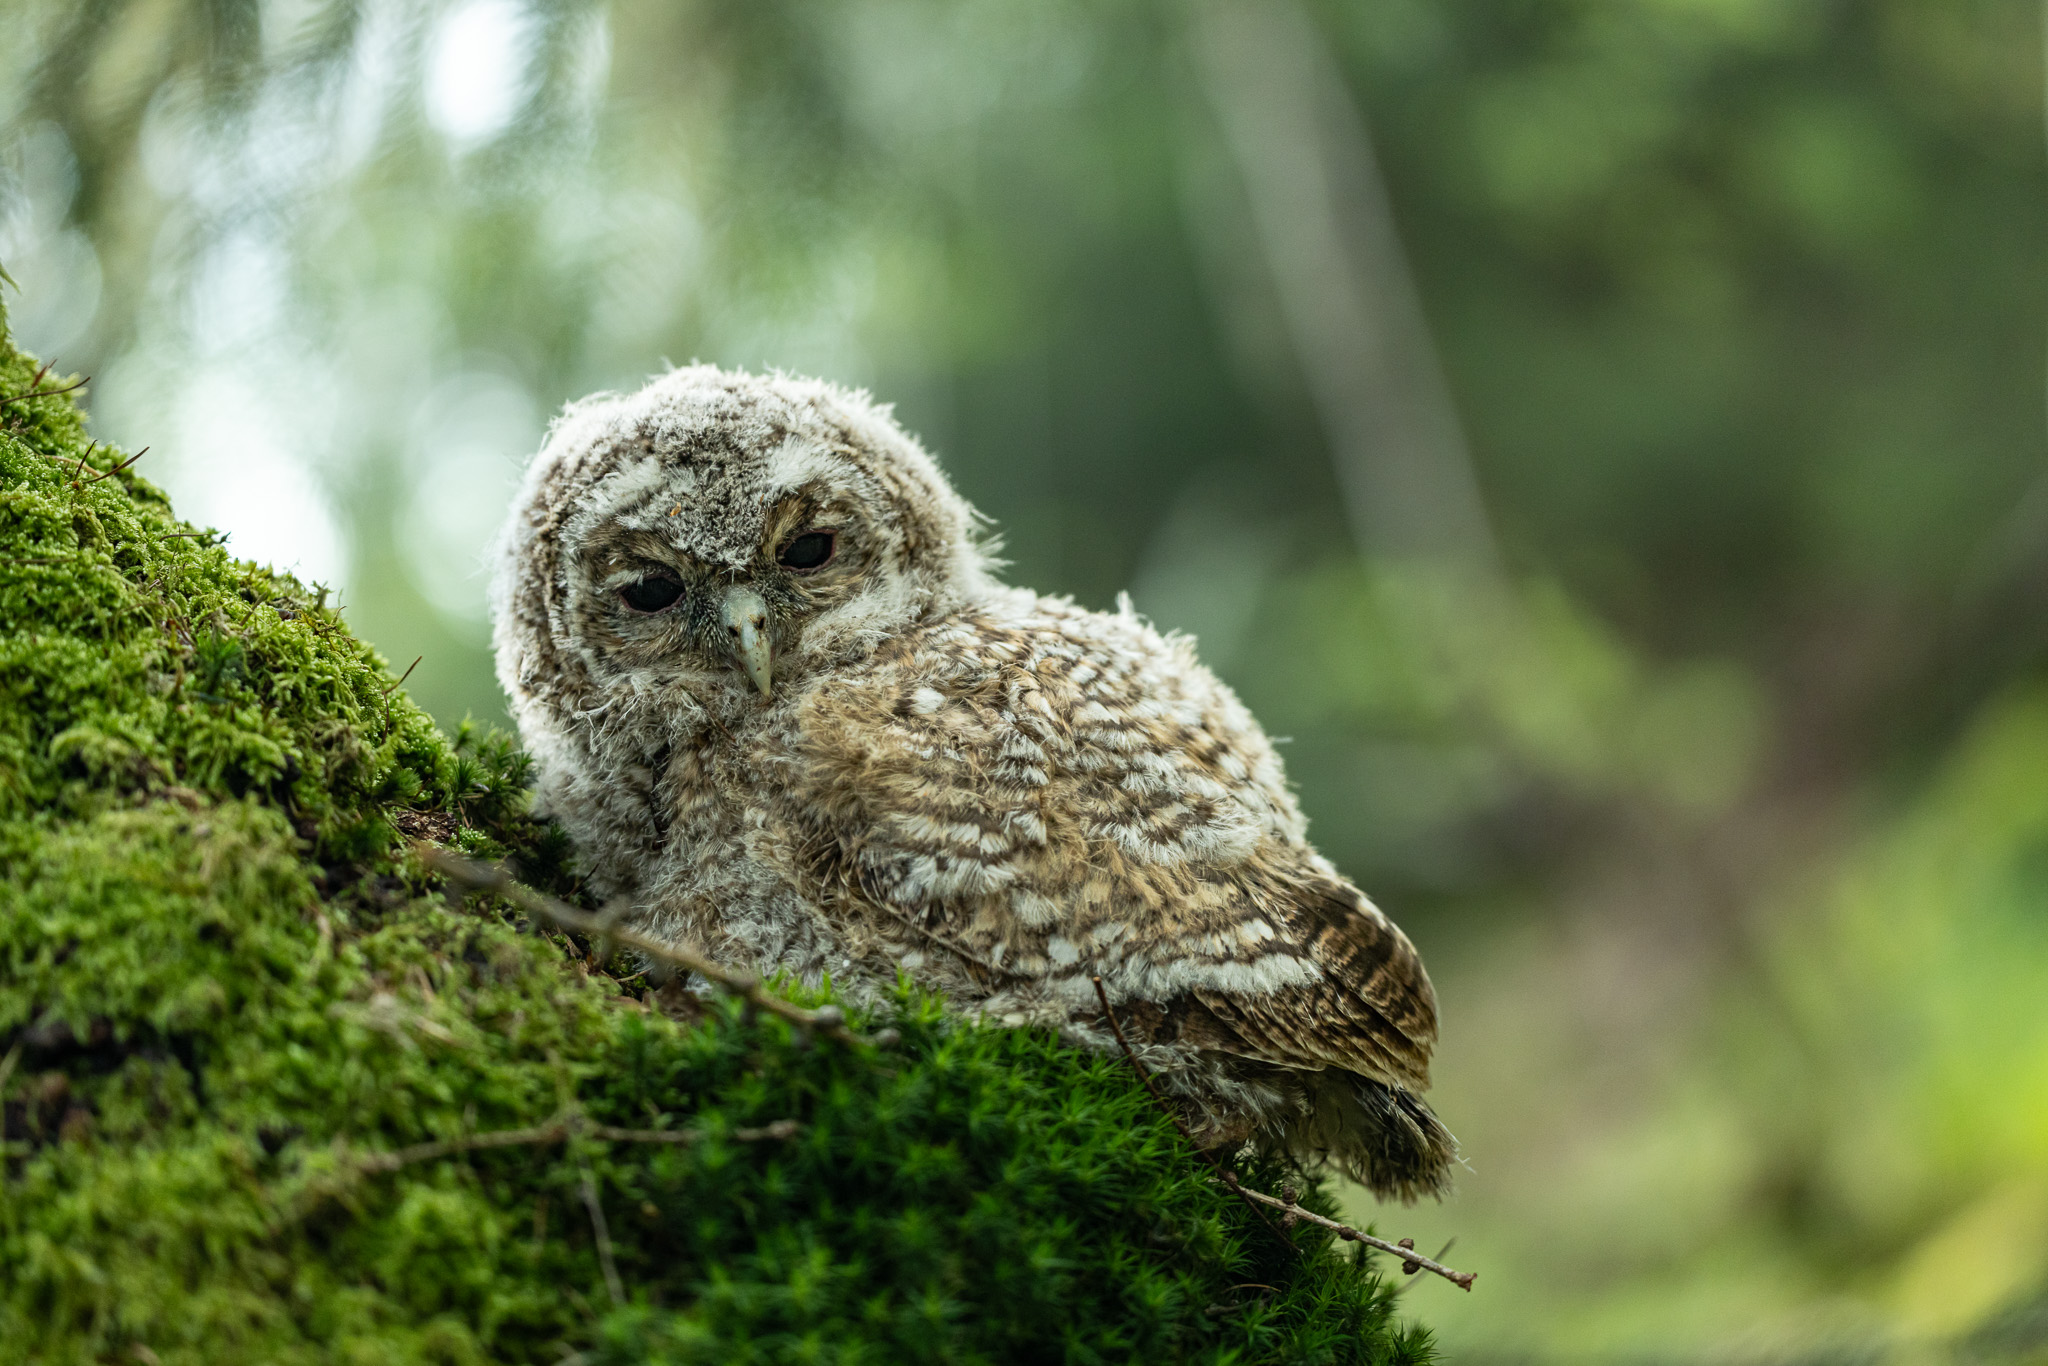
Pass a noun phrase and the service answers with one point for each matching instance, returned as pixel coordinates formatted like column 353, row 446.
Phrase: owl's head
column 721, row 531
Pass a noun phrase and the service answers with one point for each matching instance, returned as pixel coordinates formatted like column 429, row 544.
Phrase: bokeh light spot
column 479, row 70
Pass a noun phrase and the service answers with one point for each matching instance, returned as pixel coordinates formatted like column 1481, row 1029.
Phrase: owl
column 776, row 692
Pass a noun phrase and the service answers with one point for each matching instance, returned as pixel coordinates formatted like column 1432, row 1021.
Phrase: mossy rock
column 230, row 994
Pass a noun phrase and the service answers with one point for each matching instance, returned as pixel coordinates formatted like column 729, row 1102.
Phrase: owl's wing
column 1068, row 794
column 1372, row 1010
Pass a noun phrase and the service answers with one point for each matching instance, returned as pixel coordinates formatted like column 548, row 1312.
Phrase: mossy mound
column 231, row 999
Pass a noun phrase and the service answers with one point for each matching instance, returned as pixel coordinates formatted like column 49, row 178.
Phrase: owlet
column 778, row 697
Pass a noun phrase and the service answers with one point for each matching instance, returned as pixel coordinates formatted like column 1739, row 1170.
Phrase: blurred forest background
column 1607, row 436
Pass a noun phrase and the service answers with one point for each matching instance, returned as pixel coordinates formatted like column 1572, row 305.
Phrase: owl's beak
column 746, row 623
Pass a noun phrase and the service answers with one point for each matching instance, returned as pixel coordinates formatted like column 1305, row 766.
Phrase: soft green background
column 1705, row 751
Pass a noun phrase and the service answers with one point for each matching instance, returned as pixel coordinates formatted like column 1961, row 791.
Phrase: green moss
column 225, row 983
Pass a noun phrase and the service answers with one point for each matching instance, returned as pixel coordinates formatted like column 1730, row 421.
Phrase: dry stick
column 559, row 1131
column 1408, row 1255
column 394, row 687
column 1223, row 1174
column 36, row 381
column 612, row 1283
column 33, row 392
column 402, row 677
column 1410, row 1268
column 7, row 1075
column 489, row 877
column 7, row 1063
column 1410, row 1258
column 780, row 1129
column 118, row 468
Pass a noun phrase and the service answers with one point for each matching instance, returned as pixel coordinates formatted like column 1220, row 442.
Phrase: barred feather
column 1000, row 792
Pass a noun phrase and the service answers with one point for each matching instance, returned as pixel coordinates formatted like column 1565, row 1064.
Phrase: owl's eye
column 809, row 551
column 655, row 593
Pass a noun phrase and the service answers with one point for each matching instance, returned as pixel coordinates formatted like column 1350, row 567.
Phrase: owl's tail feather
column 1379, row 1135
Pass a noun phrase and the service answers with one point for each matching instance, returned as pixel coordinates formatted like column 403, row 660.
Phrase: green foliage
column 226, row 987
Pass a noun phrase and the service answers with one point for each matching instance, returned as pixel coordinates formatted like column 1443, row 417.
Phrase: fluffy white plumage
column 777, row 695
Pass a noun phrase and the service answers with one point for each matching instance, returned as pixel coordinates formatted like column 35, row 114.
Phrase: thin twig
column 1408, row 1255
column 33, row 392
column 558, row 1131
column 7, row 1075
column 489, row 877
column 612, row 1283
column 540, row 1134
column 1223, row 1173
column 1410, row 1268
column 780, row 1129
column 470, row 1143
column 7, row 1063
column 36, row 381
column 118, row 468
column 1412, row 1260
column 402, row 677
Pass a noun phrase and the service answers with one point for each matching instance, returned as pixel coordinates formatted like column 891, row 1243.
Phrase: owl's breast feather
column 1027, row 764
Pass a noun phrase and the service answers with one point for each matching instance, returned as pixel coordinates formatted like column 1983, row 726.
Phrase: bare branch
column 612, row 1284
column 1223, row 1173
column 1412, row 1261
column 7, row 1075
column 34, row 392
column 490, row 877
column 781, row 1128
column 828, row 1020
column 402, row 677
column 103, row 474
column 353, row 1166
column 557, row 1131
column 560, row 1131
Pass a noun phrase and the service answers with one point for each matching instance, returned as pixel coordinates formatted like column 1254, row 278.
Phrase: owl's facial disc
column 729, row 580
